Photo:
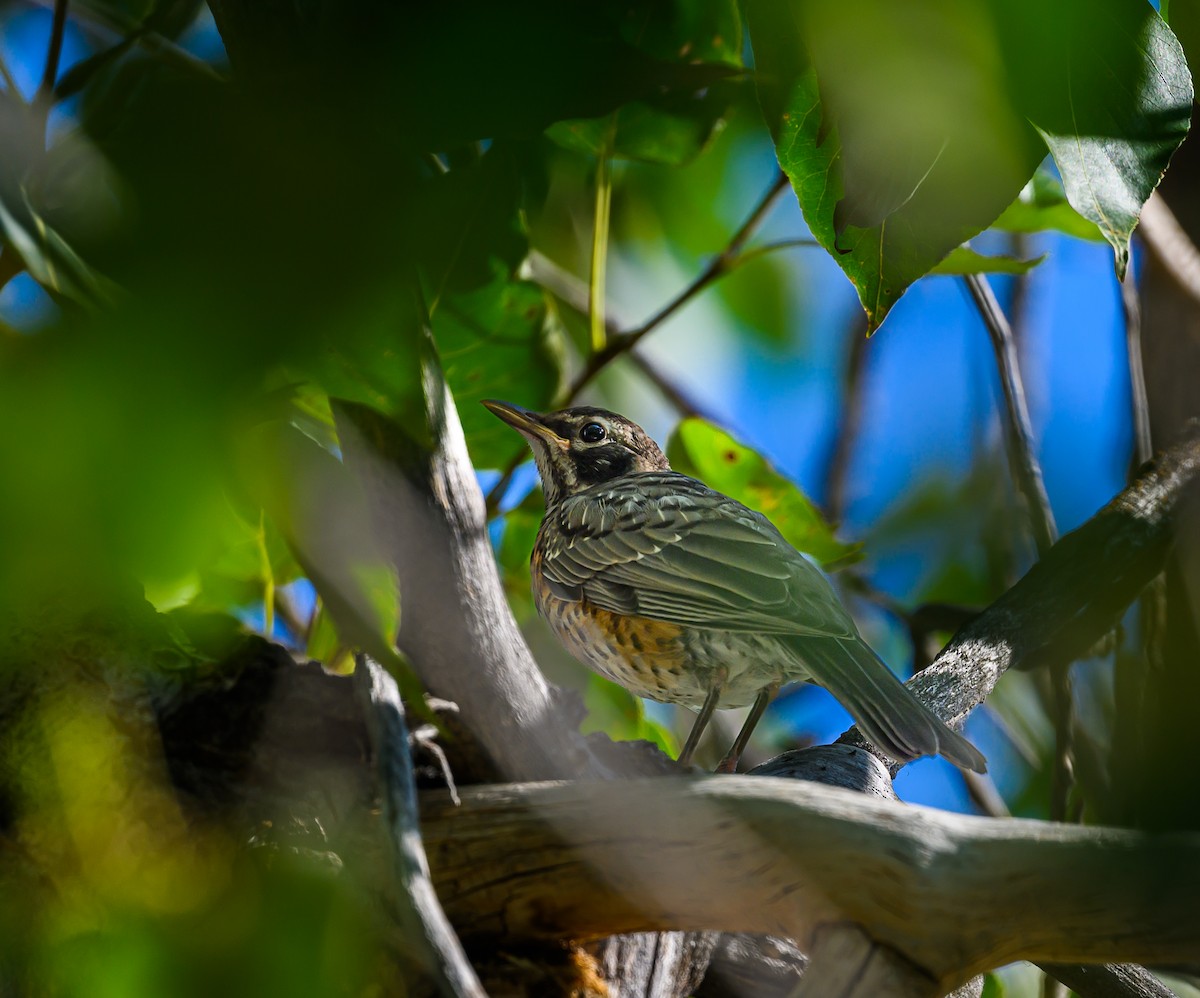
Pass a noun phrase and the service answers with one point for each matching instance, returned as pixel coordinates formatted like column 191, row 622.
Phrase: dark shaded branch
column 1120, row 980
column 58, row 26
column 1143, row 447
column 1072, row 597
column 837, row 471
column 425, row 934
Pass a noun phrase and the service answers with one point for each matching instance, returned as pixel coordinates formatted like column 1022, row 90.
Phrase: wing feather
column 665, row 546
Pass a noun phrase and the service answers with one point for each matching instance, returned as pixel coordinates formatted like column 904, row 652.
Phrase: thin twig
column 58, row 27
column 546, row 272
column 1143, row 447
column 837, row 471
column 1171, row 246
column 667, row 388
column 10, row 84
column 1018, row 426
column 598, row 269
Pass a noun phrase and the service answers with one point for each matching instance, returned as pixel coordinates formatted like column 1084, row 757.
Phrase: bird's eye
column 592, row 433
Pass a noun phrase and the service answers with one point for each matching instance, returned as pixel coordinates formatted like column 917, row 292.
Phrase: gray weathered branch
column 426, row 935
column 785, row 858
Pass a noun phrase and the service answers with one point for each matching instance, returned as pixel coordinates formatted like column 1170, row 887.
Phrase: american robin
column 684, row 595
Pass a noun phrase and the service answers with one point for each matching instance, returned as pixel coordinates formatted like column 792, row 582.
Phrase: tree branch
column 423, row 925
column 1070, row 598
column 787, row 857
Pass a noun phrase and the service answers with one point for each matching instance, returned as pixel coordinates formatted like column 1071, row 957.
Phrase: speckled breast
column 654, row 658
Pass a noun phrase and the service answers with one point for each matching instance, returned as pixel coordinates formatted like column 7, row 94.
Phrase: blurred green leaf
column 477, row 70
column 964, row 260
column 1043, row 206
column 699, row 449
column 499, row 341
column 321, row 510
column 619, row 714
column 993, row 987
column 48, row 257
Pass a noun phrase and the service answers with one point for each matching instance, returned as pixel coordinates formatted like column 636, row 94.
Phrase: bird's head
column 582, row 446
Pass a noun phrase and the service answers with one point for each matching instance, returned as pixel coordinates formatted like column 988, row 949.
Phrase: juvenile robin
column 684, row 595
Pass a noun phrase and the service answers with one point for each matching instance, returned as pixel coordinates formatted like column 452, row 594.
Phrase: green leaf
column 893, row 126
column 1124, row 100
column 616, row 712
column 699, row 449
column 993, row 987
column 1043, row 207
column 674, row 126
column 499, row 341
column 907, row 129
column 49, row 259
column 964, row 260
column 319, row 507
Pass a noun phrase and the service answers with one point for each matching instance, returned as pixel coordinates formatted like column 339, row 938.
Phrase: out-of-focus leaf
column 236, row 574
column 498, row 342
column 321, row 510
column 1043, row 207
column 615, row 711
column 479, row 70
column 1106, row 84
column 893, row 126
column 49, row 259
column 964, row 260
column 673, row 127
column 699, row 449
column 326, row 645
column 993, row 987
column 468, row 224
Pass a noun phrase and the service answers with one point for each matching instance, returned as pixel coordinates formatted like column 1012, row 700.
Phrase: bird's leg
column 730, row 762
column 702, row 719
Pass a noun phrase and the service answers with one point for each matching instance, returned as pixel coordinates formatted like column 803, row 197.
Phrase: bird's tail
column 886, row 711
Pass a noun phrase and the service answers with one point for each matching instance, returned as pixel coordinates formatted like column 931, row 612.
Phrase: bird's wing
column 664, row 546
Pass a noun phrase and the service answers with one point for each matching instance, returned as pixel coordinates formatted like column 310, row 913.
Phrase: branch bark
column 786, row 858
column 1070, row 598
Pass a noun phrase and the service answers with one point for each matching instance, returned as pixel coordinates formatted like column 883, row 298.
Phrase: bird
column 684, row 595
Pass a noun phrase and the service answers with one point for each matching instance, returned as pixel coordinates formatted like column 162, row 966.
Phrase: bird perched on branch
column 684, row 595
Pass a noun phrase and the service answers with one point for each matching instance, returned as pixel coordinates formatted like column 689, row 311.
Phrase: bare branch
column 1171, row 245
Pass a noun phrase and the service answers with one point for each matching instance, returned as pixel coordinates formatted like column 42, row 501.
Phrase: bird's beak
column 528, row 422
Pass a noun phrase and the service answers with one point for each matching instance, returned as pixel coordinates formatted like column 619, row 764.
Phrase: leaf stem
column 720, row 265
column 600, row 224
column 268, row 575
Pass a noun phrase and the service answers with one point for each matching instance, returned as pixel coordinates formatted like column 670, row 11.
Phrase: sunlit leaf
column 893, row 125
column 964, row 260
column 699, row 449
column 1043, row 207
column 1117, row 120
column 615, row 711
